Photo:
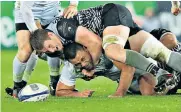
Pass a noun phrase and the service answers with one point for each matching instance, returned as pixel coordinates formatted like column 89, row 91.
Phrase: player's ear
column 50, row 34
column 85, row 48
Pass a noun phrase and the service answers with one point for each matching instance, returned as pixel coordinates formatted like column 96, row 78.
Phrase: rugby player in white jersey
column 26, row 13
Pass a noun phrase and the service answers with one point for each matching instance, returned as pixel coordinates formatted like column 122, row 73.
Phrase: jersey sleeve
column 67, row 28
column 68, row 76
column 27, row 14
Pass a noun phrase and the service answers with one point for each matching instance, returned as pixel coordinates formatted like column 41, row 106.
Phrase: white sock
column 54, row 66
column 18, row 70
column 30, row 66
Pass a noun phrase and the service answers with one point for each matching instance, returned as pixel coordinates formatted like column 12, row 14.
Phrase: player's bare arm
column 63, row 90
column 126, row 77
column 91, row 41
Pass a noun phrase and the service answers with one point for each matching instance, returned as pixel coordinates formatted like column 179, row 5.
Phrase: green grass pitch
column 99, row 102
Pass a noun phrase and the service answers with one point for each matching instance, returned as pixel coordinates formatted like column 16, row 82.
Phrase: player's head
column 79, row 56
column 44, row 41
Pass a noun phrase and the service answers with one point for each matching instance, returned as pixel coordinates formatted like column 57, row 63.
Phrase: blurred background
column 147, row 14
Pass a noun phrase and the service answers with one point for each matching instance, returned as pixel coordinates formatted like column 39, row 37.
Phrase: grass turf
column 99, row 102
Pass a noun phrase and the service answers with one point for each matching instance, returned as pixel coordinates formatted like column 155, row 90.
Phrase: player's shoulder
column 67, row 28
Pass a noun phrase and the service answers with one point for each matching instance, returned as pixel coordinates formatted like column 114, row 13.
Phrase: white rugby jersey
column 27, row 7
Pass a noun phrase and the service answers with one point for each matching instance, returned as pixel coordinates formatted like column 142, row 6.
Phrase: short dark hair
column 37, row 38
column 70, row 50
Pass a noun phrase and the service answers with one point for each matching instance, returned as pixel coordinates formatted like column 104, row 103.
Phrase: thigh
column 136, row 41
column 23, row 36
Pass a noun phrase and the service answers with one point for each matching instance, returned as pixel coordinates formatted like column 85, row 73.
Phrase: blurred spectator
column 138, row 19
column 150, row 21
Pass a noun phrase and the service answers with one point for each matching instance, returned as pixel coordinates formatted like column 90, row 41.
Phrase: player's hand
column 88, row 73
column 70, row 11
column 86, row 93
column 175, row 10
column 116, row 95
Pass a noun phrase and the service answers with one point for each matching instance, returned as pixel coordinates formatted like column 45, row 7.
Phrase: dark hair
column 37, row 38
column 70, row 50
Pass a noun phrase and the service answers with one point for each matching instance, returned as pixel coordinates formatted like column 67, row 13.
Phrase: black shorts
column 114, row 14
column 157, row 33
column 22, row 26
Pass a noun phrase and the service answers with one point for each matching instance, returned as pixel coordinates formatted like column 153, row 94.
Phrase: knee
column 108, row 30
column 169, row 40
column 115, row 52
column 24, row 54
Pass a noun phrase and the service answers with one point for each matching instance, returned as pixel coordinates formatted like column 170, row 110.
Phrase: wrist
column 120, row 92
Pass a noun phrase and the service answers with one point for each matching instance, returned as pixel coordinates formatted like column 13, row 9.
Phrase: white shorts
column 45, row 14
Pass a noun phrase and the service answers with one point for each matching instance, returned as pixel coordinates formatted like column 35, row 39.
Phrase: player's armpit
column 126, row 77
column 91, row 41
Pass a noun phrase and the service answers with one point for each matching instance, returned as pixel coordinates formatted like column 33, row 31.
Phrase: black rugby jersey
column 91, row 19
column 66, row 28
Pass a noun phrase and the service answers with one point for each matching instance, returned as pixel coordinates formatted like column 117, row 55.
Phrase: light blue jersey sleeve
column 68, row 76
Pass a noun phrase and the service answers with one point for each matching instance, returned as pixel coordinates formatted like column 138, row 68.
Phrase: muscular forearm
column 91, row 41
column 95, row 50
column 126, row 77
column 124, row 84
column 67, row 93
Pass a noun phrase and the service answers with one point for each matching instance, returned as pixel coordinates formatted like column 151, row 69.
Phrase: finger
column 91, row 92
column 65, row 10
column 70, row 15
column 66, row 13
column 86, row 94
column 74, row 12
